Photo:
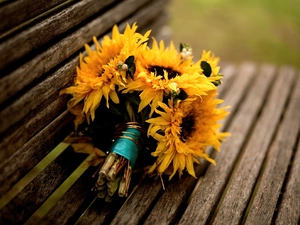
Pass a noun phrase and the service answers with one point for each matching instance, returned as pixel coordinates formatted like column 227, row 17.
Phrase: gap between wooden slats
column 26, row 157
column 208, row 194
column 21, row 207
column 174, row 199
column 18, row 187
column 73, row 203
column 47, row 30
column 289, row 206
column 248, row 166
column 276, row 163
column 32, row 103
column 67, row 46
column 17, row 12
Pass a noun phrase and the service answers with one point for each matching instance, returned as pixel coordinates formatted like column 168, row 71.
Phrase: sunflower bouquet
column 143, row 107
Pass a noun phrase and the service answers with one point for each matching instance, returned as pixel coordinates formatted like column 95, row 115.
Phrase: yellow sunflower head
column 101, row 72
column 183, row 130
column 163, row 71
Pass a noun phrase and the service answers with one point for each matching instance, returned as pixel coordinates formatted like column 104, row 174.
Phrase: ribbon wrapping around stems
column 128, row 144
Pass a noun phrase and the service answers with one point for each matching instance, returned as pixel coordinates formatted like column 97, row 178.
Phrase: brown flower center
column 159, row 71
column 187, row 127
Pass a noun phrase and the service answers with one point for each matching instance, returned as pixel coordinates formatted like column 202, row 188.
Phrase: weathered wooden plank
column 208, row 194
column 43, row 62
column 17, row 12
column 289, row 208
column 19, row 209
column 18, row 135
column 170, row 205
column 246, row 173
column 38, row 97
column 47, row 30
column 277, row 162
column 72, row 204
column 142, row 200
column 100, row 212
column 26, row 157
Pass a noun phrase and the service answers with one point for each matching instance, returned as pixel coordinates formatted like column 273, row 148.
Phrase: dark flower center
column 187, row 127
column 158, row 70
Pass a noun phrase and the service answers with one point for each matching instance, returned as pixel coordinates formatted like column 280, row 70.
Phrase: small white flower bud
column 124, row 67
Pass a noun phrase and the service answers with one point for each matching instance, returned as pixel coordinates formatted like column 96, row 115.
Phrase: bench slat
column 243, row 181
column 139, row 203
column 36, row 192
column 289, row 208
column 100, row 212
column 68, row 208
column 18, row 12
column 277, row 162
column 43, row 62
column 34, row 100
column 26, row 157
column 47, row 30
column 205, row 200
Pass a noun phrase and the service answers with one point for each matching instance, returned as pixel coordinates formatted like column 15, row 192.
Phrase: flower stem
column 124, row 184
column 109, row 161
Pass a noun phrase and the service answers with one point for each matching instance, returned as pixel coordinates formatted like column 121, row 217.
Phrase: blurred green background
column 257, row 30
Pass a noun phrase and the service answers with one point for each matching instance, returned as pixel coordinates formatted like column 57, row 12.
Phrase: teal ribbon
column 127, row 145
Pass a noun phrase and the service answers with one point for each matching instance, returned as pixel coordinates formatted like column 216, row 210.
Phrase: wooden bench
column 256, row 180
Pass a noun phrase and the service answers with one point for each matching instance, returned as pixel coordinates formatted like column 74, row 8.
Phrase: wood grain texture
column 36, row 99
column 17, row 12
column 19, row 209
column 40, row 34
column 27, row 128
column 289, row 208
column 40, row 64
column 25, row 158
column 277, row 162
column 140, row 201
column 209, row 192
column 100, row 212
column 244, row 178
column 76, row 199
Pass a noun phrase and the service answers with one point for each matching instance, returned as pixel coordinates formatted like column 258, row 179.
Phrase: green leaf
column 129, row 60
column 131, row 70
column 206, row 68
column 182, row 95
column 181, row 47
column 131, row 66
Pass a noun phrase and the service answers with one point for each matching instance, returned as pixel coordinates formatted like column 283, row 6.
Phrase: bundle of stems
column 115, row 173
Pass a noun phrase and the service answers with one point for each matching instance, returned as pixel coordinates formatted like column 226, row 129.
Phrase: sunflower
column 99, row 73
column 162, row 71
column 210, row 68
column 183, row 130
